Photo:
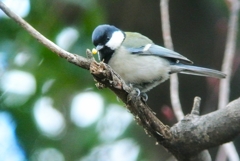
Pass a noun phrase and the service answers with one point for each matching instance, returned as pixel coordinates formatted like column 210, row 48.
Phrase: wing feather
column 152, row 49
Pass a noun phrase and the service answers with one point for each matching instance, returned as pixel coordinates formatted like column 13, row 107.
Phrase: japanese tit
column 139, row 61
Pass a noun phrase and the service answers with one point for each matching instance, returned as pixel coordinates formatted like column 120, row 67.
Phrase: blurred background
column 50, row 110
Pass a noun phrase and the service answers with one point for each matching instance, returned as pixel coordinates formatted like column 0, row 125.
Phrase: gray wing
column 151, row 49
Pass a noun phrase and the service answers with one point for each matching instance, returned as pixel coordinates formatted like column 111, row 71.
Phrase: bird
column 139, row 61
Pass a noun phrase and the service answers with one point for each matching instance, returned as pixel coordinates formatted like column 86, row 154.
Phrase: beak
column 99, row 47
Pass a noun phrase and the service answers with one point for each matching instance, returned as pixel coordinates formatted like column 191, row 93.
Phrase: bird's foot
column 138, row 91
column 143, row 95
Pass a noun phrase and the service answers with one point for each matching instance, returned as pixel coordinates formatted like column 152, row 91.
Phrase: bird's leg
column 143, row 95
column 136, row 89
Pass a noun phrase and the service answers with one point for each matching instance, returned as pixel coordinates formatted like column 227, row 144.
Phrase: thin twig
column 196, row 106
column 174, row 92
column 73, row 58
column 221, row 155
column 227, row 69
column 229, row 54
column 143, row 113
column 227, row 152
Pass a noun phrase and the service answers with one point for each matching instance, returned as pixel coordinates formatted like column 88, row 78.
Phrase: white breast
column 138, row 69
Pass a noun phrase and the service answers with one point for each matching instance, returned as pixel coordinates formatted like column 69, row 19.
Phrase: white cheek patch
column 116, row 40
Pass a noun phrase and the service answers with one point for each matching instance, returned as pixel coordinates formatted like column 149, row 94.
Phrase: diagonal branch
column 72, row 58
column 106, row 77
column 186, row 139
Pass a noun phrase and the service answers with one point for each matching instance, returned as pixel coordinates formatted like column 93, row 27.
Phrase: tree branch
column 229, row 54
column 174, row 91
column 196, row 106
column 186, row 139
column 72, row 58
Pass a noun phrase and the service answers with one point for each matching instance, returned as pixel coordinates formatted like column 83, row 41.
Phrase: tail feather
column 199, row 71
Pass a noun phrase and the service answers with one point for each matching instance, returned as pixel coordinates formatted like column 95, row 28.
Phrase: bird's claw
column 143, row 95
column 138, row 91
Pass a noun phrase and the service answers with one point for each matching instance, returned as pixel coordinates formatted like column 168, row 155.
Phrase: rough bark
column 186, row 140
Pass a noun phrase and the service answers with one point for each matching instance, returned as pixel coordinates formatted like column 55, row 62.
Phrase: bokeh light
column 49, row 120
column 9, row 148
column 20, row 7
column 18, row 86
column 47, row 154
column 67, row 37
column 114, row 123
column 86, row 108
column 122, row 150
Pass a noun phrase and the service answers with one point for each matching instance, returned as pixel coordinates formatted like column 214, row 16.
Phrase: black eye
column 106, row 39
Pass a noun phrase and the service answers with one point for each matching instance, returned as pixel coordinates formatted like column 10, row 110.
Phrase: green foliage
column 55, row 78
column 196, row 27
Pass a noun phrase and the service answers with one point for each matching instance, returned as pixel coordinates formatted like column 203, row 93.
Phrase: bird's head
column 106, row 39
